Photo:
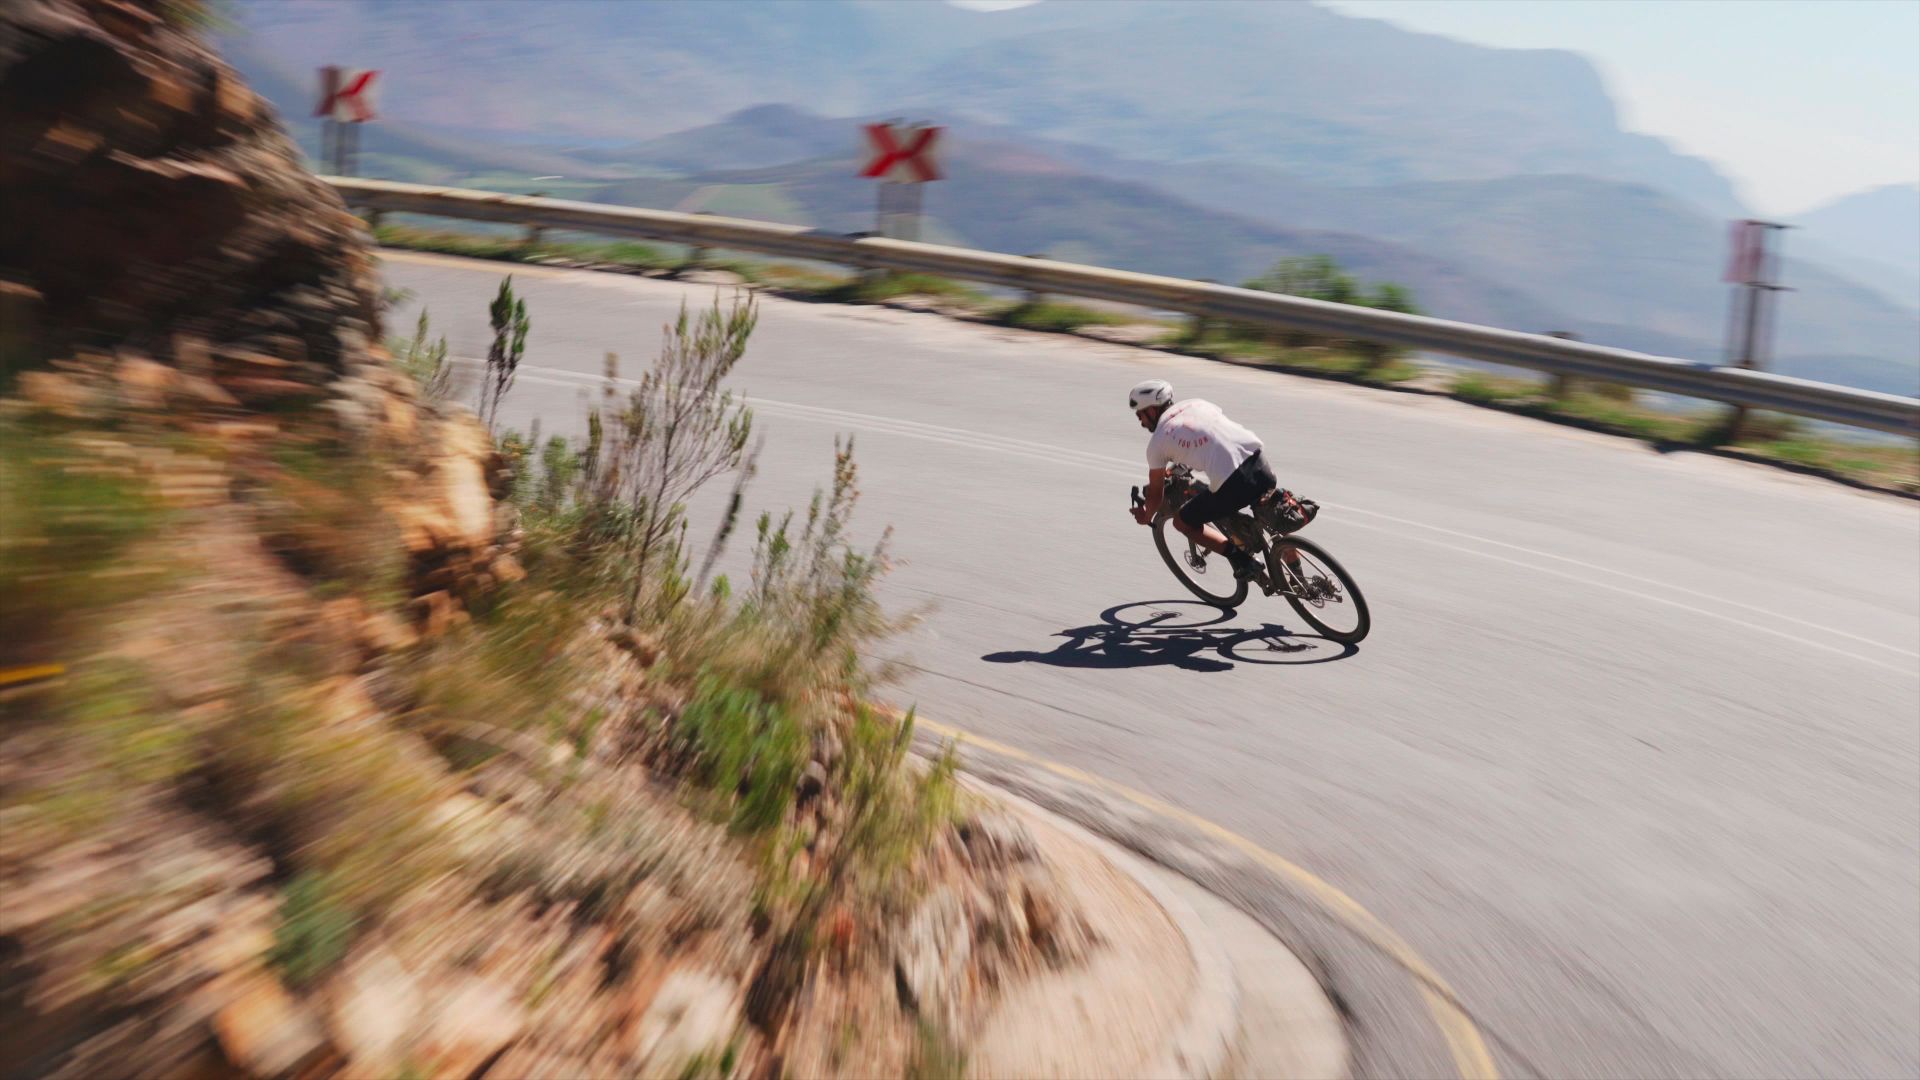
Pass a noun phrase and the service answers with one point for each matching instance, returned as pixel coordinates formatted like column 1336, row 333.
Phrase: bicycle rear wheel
column 1320, row 591
column 1206, row 575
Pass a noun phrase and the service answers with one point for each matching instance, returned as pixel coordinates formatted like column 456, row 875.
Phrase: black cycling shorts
column 1250, row 481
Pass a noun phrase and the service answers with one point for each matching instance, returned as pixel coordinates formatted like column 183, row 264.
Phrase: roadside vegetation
column 247, row 635
column 1595, row 406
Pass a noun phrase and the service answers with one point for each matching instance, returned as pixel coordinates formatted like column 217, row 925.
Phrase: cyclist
column 1197, row 434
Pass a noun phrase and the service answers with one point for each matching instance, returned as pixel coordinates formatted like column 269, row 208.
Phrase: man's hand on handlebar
column 1143, row 508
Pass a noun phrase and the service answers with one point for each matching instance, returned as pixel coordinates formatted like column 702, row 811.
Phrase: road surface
column 1631, row 758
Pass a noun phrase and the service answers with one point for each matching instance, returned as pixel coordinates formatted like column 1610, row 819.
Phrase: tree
column 1316, row 277
column 1320, row 277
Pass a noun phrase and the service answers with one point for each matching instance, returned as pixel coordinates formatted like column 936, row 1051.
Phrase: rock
column 826, row 745
column 243, row 938
column 476, row 1019
column 693, row 1012
column 460, row 480
column 149, row 190
column 506, row 568
column 438, row 613
column 840, row 934
column 264, row 1031
column 209, row 392
column 995, row 840
column 1058, row 933
column 644, row 647
column 932, row 956
column 380, row 632
column 813, row 780
column 376, row 1006
column 712, row 277
column 143, row 383
column 56, row 393
column 1043, row 915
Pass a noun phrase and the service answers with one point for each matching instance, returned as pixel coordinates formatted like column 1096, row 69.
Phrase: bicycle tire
column 1174, row 555
column 1305, row 609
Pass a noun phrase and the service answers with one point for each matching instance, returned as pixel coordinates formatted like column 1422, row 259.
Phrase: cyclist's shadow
column 1177, row 633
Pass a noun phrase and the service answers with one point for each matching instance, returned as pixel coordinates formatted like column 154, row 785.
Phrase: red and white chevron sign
column 904, row 153
column 346, row 94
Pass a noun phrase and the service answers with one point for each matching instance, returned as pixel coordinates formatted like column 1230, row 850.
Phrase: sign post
column 346, row 102
column 900, row 157
column 1752, row 268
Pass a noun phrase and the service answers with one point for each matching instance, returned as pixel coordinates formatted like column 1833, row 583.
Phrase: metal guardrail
column 1557, row 356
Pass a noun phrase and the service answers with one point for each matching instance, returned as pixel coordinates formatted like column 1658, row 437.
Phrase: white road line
column 976, row 440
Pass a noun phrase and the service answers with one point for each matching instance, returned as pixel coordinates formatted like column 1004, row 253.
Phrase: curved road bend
column 1632, row 757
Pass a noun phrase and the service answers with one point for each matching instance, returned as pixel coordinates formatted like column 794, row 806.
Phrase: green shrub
column 1061, row 317
column 745, row 747
column 425, row 360
column 314, row 931
column 873, row 288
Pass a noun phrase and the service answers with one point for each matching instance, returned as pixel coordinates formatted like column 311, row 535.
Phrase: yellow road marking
column 1471, row 1057
column 28, row 674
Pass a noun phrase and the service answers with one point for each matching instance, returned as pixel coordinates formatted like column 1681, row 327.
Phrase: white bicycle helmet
column 1150, row 393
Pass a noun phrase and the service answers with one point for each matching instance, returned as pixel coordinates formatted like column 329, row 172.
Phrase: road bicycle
column 1312, row 581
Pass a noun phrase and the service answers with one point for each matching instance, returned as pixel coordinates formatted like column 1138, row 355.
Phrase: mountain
column 1877, row 229
column 1619, row 264
column 1297, row 87
column 1344, row 100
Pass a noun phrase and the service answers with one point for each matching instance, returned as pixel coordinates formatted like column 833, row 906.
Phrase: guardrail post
column 696, row 255
column 1034, row 297
column 1198, row 325
column 1562, row 384
column 535, row 233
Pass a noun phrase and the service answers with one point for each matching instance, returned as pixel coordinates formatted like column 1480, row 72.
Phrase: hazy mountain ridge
column 1877, row 229
column 1290, row 85
column 1513, row 198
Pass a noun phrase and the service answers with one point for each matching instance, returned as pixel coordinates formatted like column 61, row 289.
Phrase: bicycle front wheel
column 1320, row 589
column 1206, row 575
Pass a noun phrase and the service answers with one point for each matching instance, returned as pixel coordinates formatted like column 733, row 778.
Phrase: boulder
column 693, row 1012
column 264, row 1031
column 376, row 1005
column 476, row 1019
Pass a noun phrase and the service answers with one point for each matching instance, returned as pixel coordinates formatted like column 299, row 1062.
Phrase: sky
column 1798, row 101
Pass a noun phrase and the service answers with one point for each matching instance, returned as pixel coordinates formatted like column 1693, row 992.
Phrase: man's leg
column 1195, row 521
column 1207, row 536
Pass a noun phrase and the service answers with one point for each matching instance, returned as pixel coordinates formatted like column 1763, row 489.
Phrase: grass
column 935, row 1055
column 1059, row 316
column 514, row 248
column 1768, row 437
column 74, row 508
column 874, row 289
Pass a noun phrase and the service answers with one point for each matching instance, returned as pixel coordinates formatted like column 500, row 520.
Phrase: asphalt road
column 1632, row 756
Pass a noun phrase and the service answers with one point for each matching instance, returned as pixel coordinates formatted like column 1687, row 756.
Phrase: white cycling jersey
column 1195, row 433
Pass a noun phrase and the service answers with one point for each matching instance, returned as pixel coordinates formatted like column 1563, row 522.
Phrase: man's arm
column 1156, row 488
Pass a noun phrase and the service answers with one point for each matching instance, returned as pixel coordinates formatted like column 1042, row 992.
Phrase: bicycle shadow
column 1185, row 634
